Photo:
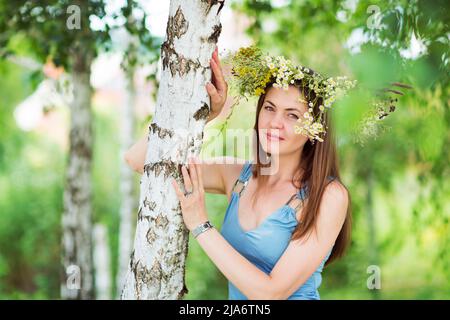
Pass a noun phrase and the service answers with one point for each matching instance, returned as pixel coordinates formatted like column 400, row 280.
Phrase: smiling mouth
column 273, row 138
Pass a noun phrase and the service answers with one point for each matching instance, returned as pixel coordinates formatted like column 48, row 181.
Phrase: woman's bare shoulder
column 229, row 167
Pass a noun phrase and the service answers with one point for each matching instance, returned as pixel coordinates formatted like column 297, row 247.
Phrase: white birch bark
column 157, row 265
column 126, row 182
column 102, row 263
column 77, row 273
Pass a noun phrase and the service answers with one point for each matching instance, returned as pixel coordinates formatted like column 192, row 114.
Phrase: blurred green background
column 398, row 179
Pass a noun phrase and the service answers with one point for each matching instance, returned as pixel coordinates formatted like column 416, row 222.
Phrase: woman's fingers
column 193, row 174
column 216, row 56
column 212, row 91
column 180, row 194
column 218, row 77
column 217, row 88
column 186, row 179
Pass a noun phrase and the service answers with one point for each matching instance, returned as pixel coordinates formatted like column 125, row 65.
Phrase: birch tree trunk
column 157, row 265
column 126, row 182
column 102, row 262
column 77, row 280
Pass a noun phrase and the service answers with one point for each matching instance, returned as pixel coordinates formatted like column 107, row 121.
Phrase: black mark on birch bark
column 216, row 33
column 140, row 215
column 202, row 113
column 183, row 231
column 168, row 168
column 149, row 277
column 184, row 290
column 161, row 221
column 179, row 24
column 173, row 259
column 182, row 66
column 150, row 204
column 132, row 260
column 176, row 27
column 151, row 236
column 79, row 144
column 210, row 3
column 161, row 132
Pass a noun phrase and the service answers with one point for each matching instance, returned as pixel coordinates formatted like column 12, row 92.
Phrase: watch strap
column 201, row 228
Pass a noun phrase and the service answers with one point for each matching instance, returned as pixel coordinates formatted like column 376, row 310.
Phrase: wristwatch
column 202, row 228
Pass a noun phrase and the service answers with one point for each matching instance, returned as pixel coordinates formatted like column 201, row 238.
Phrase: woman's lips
column 273, row 137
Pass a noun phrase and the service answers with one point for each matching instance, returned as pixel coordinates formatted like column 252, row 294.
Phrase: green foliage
column 45, row 25
column 46, row 30
column 10, row 139
column 52, row 30
column 30, row 220
column 30, row 200
column 399, row 179
column 31, row 180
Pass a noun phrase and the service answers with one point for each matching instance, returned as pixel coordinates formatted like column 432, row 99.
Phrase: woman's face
column 277, row 118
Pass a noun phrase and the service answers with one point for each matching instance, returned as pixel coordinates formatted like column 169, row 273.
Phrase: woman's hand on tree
column 217, row 88
column 192, row 205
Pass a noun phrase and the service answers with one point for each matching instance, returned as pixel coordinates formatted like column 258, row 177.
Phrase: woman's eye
column 294, row 116
column 267, row 108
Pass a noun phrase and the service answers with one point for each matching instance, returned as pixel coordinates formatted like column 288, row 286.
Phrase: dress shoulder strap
column 297, row 199
column 243, row 178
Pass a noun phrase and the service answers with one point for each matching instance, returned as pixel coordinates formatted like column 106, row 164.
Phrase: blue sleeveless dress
column 265, row 244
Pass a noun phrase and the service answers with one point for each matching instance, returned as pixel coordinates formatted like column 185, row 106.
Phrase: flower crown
column 252, row 71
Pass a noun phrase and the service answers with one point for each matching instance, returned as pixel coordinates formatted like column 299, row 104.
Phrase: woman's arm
column 135, row 156
column 299, row 260
column 297, row 263
column 250, row 280
column 217, row 171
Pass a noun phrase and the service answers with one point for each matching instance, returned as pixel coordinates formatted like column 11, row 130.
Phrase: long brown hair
column 318, row 162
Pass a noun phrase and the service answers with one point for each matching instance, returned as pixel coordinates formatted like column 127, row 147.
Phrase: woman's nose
column 276, row 122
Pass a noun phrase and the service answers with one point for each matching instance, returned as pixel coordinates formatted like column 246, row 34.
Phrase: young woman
column 280, row 228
